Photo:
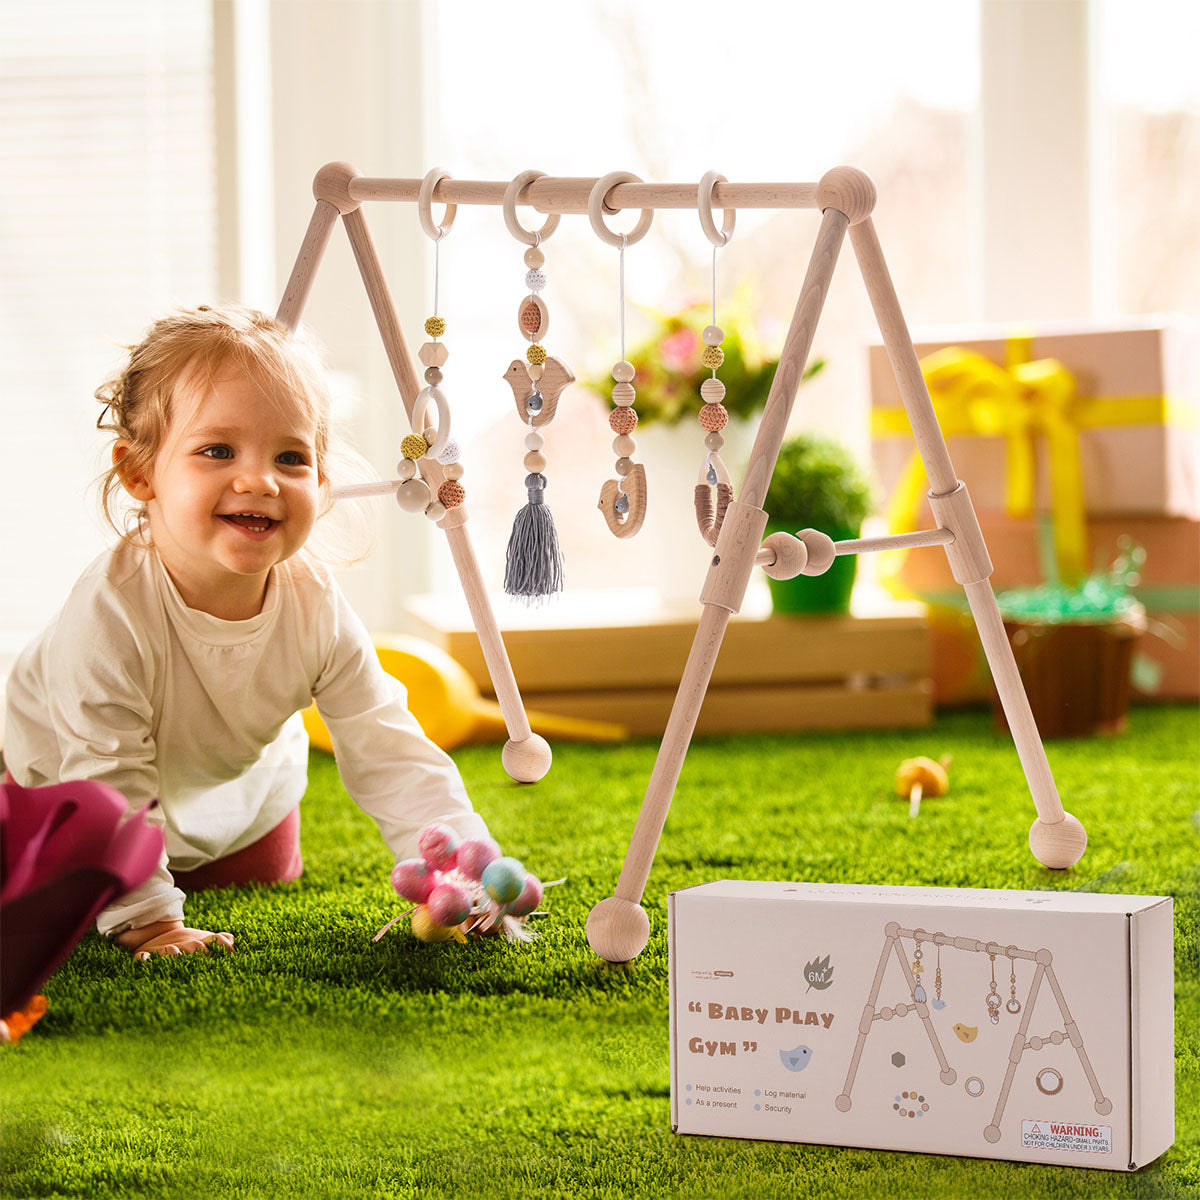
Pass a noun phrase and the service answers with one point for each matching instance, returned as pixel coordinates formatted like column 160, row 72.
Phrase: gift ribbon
column 1023, row 401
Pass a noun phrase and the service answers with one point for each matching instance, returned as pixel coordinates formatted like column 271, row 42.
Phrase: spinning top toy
column 918, row 777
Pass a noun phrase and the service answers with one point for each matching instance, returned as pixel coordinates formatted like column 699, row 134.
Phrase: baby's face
column 234, row 492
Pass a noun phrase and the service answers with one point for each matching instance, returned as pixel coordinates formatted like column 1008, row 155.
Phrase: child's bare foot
column 171, row 937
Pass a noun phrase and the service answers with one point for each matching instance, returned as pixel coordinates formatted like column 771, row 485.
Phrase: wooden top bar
column 570, row 195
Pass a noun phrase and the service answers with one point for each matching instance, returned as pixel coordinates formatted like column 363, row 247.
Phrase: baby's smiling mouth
column 254, row 522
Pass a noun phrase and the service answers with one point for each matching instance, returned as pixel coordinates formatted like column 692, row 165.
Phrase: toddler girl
column 179, row 665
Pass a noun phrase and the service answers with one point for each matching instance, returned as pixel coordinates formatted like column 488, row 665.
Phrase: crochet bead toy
column 465, row 889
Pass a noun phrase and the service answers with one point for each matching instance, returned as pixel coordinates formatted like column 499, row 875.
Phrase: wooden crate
column 773, row 674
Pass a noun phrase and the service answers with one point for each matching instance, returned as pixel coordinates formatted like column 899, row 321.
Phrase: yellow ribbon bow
column 973, row 396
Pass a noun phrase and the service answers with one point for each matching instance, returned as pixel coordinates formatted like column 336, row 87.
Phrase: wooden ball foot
column 527, row 761
column 1060, row 845
column 618, row 930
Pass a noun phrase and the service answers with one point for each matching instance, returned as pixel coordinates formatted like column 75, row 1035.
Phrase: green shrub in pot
column 817, row 484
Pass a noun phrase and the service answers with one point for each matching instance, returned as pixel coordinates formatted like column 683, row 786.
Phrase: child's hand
column 171, row 937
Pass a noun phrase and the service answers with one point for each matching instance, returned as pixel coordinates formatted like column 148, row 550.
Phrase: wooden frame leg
column 618, row 927
column 526, row 756
column 1056, row 838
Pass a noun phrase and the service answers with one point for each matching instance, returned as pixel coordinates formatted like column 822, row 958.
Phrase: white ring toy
column 597, row 208
column 974, row 1086
column 443, row 422
column 511, row 196
column 704, row 203
column 425, row 205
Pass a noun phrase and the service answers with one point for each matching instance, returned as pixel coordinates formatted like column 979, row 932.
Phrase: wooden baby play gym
column 429, row 472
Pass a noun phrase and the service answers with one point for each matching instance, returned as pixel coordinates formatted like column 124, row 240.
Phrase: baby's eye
column 292, row 458
column 218, row 452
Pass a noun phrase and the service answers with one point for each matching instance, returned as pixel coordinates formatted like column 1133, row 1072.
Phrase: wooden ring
column 425, row 205
column 635, row 489
column 511, row 196
column 443, row 426
column 598, row 206
column 973, row 1086
column 704, row 203
column 1049, row 1091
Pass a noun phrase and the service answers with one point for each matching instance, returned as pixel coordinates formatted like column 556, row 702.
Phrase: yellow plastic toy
column 448, row 705
column 917, row 777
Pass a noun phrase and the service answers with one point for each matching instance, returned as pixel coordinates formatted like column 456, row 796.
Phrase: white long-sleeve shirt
column 131, row 687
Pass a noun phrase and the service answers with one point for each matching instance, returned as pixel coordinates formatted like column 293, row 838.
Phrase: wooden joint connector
column 850, row 191
column 332, row 184
column 968, row 554
column 734, row 556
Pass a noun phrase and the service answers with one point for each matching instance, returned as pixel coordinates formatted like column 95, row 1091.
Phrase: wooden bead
column 413, row 495
column 623, row 446
column 713, row 335
column 453, row 470
column 622, row 420
column 413, row 446
column 713, row 417
column 451, row 493
column 534, row 441
column 624, row 466
column 535, row 463
column 435, row 326
column 433, row 354
column 430, row 435
column 714, row 441
column 534, row 371
column 406, row 468
column 533, row 318
column 534, row 258
column 623, row 394
column 712, row 391
column 433, row 375
column 624, row 371
column 536, row 355
column 435, row 510
column 712, row 357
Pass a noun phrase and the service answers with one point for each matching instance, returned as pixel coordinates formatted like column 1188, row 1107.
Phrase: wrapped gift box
column 1127, row 396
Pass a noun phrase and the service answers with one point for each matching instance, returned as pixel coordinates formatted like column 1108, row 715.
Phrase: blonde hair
column 195, row 345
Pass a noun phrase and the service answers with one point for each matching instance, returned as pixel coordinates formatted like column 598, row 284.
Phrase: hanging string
column 437, row 270
column 622, row 293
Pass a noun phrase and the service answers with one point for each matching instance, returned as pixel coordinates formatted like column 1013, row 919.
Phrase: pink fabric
column 66, row 852
column 274, row 858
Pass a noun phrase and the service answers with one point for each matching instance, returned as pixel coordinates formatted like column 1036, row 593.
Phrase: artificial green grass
column 313, row 1063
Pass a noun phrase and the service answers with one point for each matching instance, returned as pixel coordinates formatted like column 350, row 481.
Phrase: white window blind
column 107, row 218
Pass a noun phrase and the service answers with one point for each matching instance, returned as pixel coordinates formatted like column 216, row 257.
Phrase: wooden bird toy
column 554, row 380
column 919, row 777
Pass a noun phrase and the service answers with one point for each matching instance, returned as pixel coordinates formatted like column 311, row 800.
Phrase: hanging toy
column 993, row 996
column 465, row 889
column 918, row 777
column 533, row 565
column 713, row 415
column 431, row 442
column 938, row 1002
column 622, row 500
column 1012, row 1004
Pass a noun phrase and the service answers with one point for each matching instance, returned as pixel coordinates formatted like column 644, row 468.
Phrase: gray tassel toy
column 533, row 566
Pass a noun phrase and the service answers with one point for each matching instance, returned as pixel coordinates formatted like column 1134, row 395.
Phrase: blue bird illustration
column 796, row 1060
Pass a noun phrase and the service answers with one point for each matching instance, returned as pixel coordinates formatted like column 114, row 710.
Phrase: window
column 108, row 216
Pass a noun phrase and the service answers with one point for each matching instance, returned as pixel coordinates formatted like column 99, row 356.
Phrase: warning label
column 1058, row 1135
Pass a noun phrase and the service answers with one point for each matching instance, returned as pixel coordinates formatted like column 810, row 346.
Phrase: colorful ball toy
column 414, row 879
column 438, row 845
column 475, row 854
column 464, row 889
column 503, row 880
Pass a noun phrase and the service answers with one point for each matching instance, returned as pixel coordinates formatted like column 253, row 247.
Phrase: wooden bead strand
column 414, row 494
column 713, row 416
column 533, row 566
column 622, row 500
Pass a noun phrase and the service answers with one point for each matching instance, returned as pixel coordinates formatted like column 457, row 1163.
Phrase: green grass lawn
column 313, row 1063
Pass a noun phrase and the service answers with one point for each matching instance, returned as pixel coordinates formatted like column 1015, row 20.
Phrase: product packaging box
column 1036, row 1026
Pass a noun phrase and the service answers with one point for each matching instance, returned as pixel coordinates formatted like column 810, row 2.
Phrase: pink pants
column 274, row 858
